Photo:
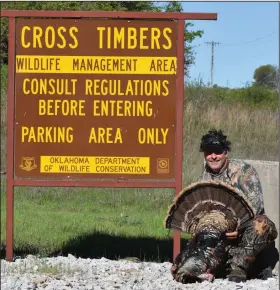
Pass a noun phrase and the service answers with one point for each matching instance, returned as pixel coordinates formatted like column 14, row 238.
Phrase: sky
column 238, row 22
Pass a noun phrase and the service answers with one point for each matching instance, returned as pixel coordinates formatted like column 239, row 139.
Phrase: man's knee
column 260, row 233
column 263, row 226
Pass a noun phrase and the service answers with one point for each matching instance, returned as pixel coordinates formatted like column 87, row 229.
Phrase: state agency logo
column 163, row 165
column 28, row 163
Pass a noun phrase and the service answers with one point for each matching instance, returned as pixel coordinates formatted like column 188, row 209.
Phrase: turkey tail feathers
column 209, row 203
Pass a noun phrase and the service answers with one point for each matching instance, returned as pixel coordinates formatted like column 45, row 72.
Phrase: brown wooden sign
column 95, row 98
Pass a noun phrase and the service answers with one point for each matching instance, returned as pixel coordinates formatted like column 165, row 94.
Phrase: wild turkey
column 206, row 210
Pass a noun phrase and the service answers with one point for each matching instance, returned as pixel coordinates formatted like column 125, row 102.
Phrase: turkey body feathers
column 209, row 205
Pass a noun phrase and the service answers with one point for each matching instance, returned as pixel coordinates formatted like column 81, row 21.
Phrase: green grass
column 48, row 219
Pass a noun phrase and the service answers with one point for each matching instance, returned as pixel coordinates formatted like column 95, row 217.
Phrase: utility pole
column 212, row 59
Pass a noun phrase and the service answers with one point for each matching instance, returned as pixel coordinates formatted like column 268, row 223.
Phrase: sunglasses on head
column 216, row 150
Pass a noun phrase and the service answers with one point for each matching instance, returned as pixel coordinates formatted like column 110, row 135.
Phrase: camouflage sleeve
column 200, row 179
column 251, row 185
column 205, row 176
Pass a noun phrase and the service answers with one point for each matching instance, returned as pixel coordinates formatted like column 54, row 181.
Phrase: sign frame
column 12, row 182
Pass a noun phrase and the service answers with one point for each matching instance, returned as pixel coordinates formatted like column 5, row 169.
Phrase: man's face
column 215, row 158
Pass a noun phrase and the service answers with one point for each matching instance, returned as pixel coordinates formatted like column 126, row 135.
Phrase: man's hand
column 232, row 235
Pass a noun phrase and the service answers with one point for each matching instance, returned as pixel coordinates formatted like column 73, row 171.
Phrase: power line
column 241, row 43
column 250, row 41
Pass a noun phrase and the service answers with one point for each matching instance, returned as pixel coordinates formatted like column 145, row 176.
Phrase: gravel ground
column 63, row 273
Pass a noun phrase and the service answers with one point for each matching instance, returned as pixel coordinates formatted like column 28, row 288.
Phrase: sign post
column 95, row 102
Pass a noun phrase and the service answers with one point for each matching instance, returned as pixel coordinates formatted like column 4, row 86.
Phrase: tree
column 143, row 6
column 267, row 75
column 189, row 35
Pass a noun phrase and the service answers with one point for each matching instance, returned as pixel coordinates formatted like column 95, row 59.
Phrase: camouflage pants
column 256, row 239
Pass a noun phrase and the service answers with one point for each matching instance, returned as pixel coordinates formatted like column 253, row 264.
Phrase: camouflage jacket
column 243, row 176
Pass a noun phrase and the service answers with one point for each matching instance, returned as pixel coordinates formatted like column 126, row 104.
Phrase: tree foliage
column 143, row 6
column 267, row 75
column 190, row 34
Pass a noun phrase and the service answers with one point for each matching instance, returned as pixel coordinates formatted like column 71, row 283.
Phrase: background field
column 117, row 223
